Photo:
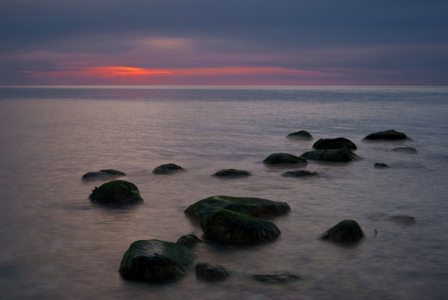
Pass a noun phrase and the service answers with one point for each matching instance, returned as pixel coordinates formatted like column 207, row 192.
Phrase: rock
column 237, row 228
column 299, row 173
column 405, row 220
column 332, row 155
column 232, row 173
column 211, row 271
column 300, row 135
column 154, row 260
column 337, row 143
column 256, row 207
column 283, row 158
column 380, row 165
column 102, row 175
column 277, row 278
column 189, row 240
column 346, row 231
column 408, row 150
column 386, row 135
column 167, row 169
column 117, row 192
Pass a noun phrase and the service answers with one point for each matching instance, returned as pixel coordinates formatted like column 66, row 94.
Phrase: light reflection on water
column 55, row 244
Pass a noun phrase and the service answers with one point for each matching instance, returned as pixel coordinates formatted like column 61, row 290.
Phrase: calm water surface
column 55, row 244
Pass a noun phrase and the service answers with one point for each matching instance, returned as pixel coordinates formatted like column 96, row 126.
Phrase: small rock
column 167, row 169
column 337, row 143
column 299, row 173
column 283, row 158
column 332, row 155
column 277, row 278
column 102, row 175
column 405, row 220
column 380, row 165
column 386, row 135
column 408, row 150
column 189, row 240
column 300, row 135
column 346, row 231
column 232, row 173
column 211, row 271
column 116, row 192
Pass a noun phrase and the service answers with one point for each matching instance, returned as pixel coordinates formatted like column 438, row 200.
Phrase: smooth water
column 55, row 244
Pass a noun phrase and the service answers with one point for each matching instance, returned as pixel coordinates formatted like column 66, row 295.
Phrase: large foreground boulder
column 154, row 260
column 237, row 228
column 300, row 135
column 232, row 173
column 116, row 192
column 256, row 207
column 386, row 135
column 209, row 271
column 332, row 155
column 347, row 231
column 276, row 278
column 102, row 175
column 167, row 169
column 337, row 143
column 283, row 158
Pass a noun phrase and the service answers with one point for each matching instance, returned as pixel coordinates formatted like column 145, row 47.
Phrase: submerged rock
column 238, row 228
column 276, row 278
column 408, row 150
column 300, row 135
column 346, row 231
column 283, row 158
column 332, row 155
column 167, row 169
column 251, row 206
column 299, row 173
column 380, row 165
column 154, row 260
column 232, row 173
column 211, row 271
column 337, row 143
column 386, row 135
column 189, row 240
column 405, row 220
column 116, row 192
column 102, row 175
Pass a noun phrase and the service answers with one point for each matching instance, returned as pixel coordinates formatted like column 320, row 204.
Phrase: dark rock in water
column 232, row 173
column 332, row 155
column 251, row 206
column 116, row 192
column 167, row 169
column 101, row 175
column 337, row 143
column 299, row 173
column 211, row 271
column 300, row 135
column 189, row 240
column 284, row 158
column 408, row 150
column 346, row 231
column 380, row 165
column 386, row 135
column 276, row 278
column 237, row 228
column 405, row 220
column 154, row 260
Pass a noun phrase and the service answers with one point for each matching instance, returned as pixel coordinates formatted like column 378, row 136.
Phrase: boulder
column 337, row 143
column 380, row 165
column 386, row 135
column 116, row 192
column 277, row 278
column 346, row 231
column 209, row 271
column 256, row 207
column 283, row 158
column 237, row 228
column 332, row 155
column 189, row 240
column 405, row 220
column 232, row 173
column 408, row 150
column 300, row 135
column 154, row 260
column 299, row 173
column 167, row 169
column 102, row 175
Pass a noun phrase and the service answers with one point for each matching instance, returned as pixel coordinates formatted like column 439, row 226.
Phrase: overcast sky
column 313, row 42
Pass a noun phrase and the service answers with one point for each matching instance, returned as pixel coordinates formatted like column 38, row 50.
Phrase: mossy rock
column 337, row 143
column 256, row 207
column 276, row 278
column 299, row 173
column 116, row 192
column 189, row 240
column 102, row 175
column 284, row 158
column 236, row 228
column 232, row 173
column 386, row 135
column 211, row 272
column 407, row 150
column 167, row 169
column 347, row 231
column 332, row 155
column 300, row 135
column 154, row 260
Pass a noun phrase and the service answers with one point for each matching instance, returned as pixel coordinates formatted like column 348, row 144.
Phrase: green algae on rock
column 386, row 135
column 237, row 228
column 116, row 192
column 251, row 206
column 300, row 135
column 102, row 175
column 155, row 260
column 231, row 173
column 211, row 272
column 337, row 143
column 332, row 155
column 283, row 158
column 347, row 231
column 167, row 169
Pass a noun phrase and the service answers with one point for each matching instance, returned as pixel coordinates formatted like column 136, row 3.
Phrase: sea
column 56, row 244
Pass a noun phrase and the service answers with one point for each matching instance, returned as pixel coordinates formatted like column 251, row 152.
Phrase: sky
column 214, row 42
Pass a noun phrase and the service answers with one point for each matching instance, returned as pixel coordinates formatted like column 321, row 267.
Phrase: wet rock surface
column 337, row 143
column 283, row 158
column 408, row 150
column 189, row 240
column 386, row 135
column 380, row 165
column 300, row 173
column 232, row 173
column 347, row 231
column 167, row 169
column 300, row 135
column 116, row 192
column 212, row 272
column 404, row 220
column 332, row 155
column 276, row 278
column 102, row 175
